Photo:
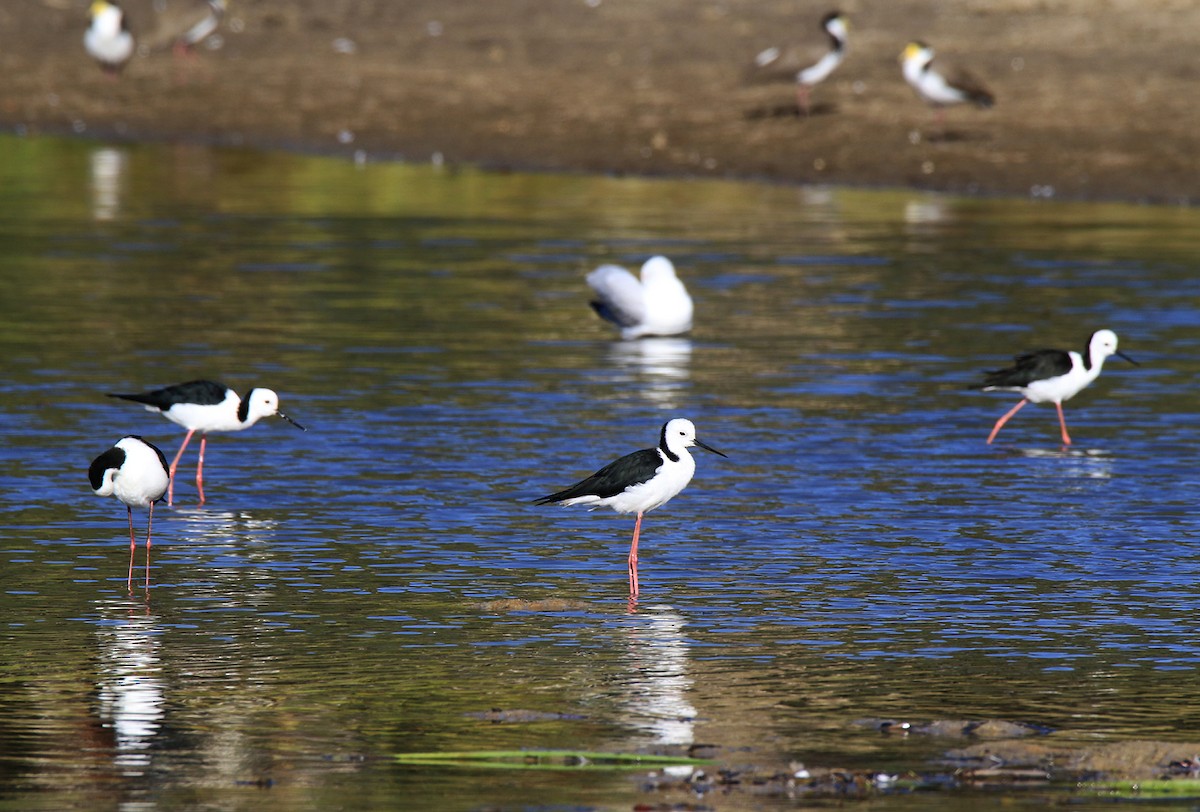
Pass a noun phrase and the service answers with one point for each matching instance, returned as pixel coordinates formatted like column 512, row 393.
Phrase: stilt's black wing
column 612, row 479
column 1027, row 368
column 203, row 393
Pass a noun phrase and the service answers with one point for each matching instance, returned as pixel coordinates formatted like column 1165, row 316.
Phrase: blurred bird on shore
column 804, row 64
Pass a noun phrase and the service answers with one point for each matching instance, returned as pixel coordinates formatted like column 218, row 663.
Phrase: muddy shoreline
column 1095, row 99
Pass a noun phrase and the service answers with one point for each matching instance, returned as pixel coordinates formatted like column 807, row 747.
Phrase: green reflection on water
column 368, row 286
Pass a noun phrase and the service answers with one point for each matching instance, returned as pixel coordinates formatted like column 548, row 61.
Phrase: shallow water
column 379, row 584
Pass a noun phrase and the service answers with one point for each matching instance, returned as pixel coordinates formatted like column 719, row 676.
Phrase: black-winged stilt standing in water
column 135, row 472
column 1052, row 376
column 206, row 406
column 639, row 482
column 658, row 305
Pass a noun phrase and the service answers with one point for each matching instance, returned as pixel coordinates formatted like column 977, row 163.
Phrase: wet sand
column 1096, row 98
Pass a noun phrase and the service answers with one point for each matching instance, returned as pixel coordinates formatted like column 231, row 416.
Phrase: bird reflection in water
column 659, row 368
column 228, row 548
column 129, row 684
column 108, row 169
column 656, row 699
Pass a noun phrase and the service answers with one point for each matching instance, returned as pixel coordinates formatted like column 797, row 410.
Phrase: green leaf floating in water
column 545, row 760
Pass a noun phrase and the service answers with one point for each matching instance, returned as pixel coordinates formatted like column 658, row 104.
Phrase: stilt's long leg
column 1000, row 423
column 149, row 524
column 174, row 465
column 1066, row 438
column 802, row 99
column 132, row 547
column 200, row 468
column 633, row 557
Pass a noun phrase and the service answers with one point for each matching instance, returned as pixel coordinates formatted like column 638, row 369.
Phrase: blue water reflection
column 364, row 588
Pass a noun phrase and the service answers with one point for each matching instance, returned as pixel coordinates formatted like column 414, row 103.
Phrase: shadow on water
column 382, row 584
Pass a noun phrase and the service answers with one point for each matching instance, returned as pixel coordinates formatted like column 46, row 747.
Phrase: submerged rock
column 520, row 715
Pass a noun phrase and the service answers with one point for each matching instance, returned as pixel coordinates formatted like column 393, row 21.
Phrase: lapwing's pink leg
column 1066, row 438
column 633, row 558
column 200, row 468
column 132, row 547
column 174, row 465
column 1000, row 423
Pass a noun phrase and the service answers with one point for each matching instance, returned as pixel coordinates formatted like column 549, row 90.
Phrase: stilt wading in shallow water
column 1052, row 376
column 206, row 406
column 802, row 66
column 639, row 482
column 657, row 305
column 135, row 472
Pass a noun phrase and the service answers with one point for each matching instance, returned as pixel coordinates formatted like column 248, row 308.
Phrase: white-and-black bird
column 802, row 65
column 1052, row 376
column 639, row 482
column 206, row 406
column 184, row 24
column 108, row 39
column 135, row 472
column 657, row 305
column 955, row 87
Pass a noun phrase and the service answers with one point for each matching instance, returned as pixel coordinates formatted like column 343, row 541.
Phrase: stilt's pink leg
column 802, row 99
column 132, row 547
column 1000, row 423
column 1066, row 438
column 633, row 558
column 149, row 524
column 174, row 465
column 200, row 468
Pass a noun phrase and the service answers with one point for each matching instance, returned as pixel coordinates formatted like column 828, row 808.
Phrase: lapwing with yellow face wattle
column 108, row 39
column 939, row 90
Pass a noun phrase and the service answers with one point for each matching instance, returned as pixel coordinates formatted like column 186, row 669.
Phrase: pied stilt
column 639, row 482
column 206, row 406
column 801, row 66
column 658, row 305
column 135, row 472
column 1052, row 376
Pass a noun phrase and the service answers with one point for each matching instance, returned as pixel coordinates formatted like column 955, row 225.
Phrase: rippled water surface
column 381, row 584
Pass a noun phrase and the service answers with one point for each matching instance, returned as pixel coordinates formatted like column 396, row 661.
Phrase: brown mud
column 1096, row 98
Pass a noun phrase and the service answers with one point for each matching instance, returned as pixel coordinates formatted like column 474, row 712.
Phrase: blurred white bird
column 108, row 39
column 184, row 24
column 938, row 90
column 658, row 305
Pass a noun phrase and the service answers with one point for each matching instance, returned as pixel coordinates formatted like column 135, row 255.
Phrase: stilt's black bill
column 1127, row 358
column 290, row 420
column 713, row 450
